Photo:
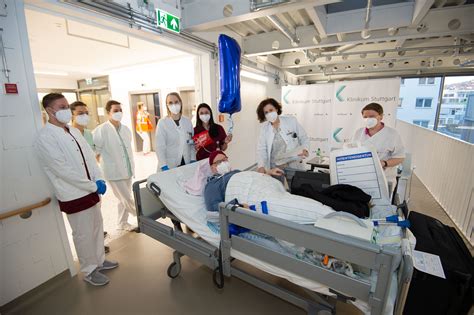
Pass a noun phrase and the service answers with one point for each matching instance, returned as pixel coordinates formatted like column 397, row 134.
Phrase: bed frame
column 361, row 253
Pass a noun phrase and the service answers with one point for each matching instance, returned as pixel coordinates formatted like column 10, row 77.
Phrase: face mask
column 205, row 118
column 117, row 116
column 145, row 109
column 83, row 119
column 175, row 108
column 223, row 167
column 371, row 122
column 64, row 115
column 271, row 116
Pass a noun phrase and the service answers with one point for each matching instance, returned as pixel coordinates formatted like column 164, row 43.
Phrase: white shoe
column 126, row 227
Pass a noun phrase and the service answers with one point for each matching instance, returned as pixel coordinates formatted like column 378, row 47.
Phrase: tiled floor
column 140, row 285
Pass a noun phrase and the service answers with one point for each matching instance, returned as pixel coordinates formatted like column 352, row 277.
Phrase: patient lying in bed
column 251, row 188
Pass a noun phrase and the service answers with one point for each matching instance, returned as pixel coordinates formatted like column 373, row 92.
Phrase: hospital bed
column 161, row 197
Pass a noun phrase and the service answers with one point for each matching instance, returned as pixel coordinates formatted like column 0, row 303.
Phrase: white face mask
column 371, row 122
column 117, row 116
column 144, row 109
column 205, row 117
column 64, row 115
column 223, row 167
column 175, row 108
column 82, row 120
column 271, row 116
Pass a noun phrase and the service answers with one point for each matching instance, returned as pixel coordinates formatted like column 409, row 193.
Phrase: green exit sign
column 167, row 21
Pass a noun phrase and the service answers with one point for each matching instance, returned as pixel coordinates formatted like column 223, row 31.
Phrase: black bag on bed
column 433, row 295
column 339, row 197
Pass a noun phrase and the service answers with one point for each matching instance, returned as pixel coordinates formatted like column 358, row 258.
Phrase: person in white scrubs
column 112, row 141
column 279, row 135
column 70, row 165
column 80, row 120
column 174, row 139
column 174, row 136
column 386, row 141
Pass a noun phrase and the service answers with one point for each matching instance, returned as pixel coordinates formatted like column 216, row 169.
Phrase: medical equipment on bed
column 165, row 198
column 392, row 220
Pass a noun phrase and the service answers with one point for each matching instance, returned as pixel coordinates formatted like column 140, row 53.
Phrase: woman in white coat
column 174, row 136
column 278, row 135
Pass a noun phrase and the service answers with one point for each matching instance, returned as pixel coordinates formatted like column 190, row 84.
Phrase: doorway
column 188, row 97
column 95, row 94
column 151, row 100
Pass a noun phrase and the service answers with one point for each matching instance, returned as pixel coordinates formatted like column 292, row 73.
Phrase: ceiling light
column 365, row 34
column 423, row 63
column 375, row 66
column 392, row 31
column 361, row 67
column 344, row 57
column 438, row 62
column 422, row 28
column 297, row 61
column 382, row 54
column 255, row 76
column 276, row 45
column 334, row 69
column 456, row 62
column 454, row 24
column 401, row 53
column 363, row 55
column 391, row 64
column 348, row 68
column 55, row 73
column 328, row 58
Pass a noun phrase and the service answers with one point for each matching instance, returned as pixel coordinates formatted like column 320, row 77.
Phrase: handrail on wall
column 25, row 209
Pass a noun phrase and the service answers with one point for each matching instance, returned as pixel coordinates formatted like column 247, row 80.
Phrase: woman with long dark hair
column 208, row 136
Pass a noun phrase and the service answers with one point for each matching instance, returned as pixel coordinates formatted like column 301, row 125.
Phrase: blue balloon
column 229, row 57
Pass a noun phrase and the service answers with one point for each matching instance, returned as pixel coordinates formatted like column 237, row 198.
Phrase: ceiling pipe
column 365, row 34
column 284, row 30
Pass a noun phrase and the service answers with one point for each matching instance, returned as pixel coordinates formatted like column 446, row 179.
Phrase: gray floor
column 140, row 285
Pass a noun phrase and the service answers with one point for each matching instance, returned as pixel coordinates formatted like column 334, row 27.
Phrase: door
column 151, row 102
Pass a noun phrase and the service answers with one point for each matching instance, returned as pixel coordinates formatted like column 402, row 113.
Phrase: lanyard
column 82, row 155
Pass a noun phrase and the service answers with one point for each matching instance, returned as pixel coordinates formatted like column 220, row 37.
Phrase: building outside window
column 420, row 98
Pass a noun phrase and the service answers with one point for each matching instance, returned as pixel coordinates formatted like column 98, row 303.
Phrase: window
column 426, row 81
column 423, row 102
column 422, row 123
column 458, row 101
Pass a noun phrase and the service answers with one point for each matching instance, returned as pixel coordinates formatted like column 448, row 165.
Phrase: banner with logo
column 311, row 105
column 331, row 113
column 349, row 99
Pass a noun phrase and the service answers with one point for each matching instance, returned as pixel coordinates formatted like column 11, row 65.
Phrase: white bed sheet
column 191, row 210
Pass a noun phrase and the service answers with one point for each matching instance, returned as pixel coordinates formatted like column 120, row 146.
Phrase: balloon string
column 230, row 122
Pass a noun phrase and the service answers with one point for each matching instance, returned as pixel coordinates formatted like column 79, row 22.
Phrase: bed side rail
column 359, row 252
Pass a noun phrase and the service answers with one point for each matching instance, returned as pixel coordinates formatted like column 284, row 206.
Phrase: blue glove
column 101, row 187
column 192, row 161
column 165, row 168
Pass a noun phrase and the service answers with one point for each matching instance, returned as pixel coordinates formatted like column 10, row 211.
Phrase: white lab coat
column 63, row 164
column 289, row 127
column 174, row 142
column 388, row 144
column 113, row 159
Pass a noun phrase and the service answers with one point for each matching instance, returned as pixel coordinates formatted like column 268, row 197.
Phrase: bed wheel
column 173, row 270
column 218, row 278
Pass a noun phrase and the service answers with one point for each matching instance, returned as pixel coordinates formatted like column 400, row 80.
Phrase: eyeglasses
column 220, row 161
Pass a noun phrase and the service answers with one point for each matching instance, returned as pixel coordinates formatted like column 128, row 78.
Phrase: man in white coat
column 113, row 144
column 69, row 163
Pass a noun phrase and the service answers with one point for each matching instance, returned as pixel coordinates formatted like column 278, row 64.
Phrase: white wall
column 242, row 149
column 445, row 166
column 31, row 250
column 165, row 76
column 45, row 82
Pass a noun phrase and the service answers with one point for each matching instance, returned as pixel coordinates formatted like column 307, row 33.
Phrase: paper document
column 290, row 156
column 359, row 170
column 428, row 263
